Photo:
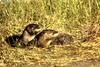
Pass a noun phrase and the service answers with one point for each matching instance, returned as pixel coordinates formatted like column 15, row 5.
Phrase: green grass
column 80, row 18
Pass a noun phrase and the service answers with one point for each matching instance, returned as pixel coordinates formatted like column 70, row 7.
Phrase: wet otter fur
column 28, row 34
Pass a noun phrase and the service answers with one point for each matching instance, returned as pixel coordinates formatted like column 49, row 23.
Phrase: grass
column 80, row 18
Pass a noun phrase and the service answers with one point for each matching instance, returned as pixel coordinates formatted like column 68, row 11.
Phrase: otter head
column 32, row 29
column 29, row 33
column 50, row 33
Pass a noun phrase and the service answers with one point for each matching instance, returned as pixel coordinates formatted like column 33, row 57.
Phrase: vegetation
column 80, row 18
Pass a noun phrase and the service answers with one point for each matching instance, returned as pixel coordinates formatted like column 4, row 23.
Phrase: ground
column 79, row 18
column 76, row 54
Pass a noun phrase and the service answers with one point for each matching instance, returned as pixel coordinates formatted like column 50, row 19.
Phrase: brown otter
column 28, row 34
column 62, row 39
column 43, row 39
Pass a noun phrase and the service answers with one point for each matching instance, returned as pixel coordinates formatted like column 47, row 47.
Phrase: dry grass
column 80, row 18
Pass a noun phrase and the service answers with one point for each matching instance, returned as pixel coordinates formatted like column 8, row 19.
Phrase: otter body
column 28, row 34
column 62, row 39
column 52, row 37
column 43, row 39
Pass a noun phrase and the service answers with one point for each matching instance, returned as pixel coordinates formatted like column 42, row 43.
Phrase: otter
column 62, row 39
column 43, row 39
column 28, row 34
